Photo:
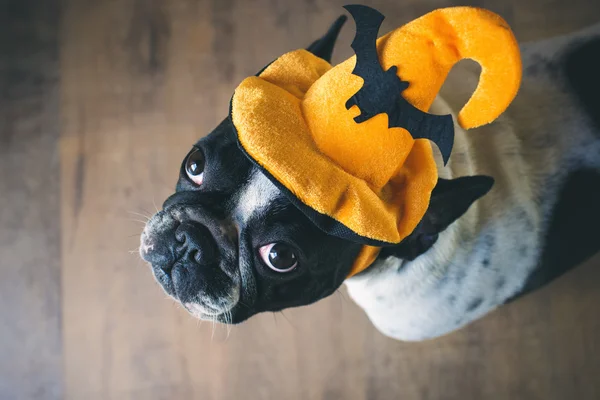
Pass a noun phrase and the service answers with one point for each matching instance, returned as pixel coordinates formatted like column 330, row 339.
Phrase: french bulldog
column 228, row 244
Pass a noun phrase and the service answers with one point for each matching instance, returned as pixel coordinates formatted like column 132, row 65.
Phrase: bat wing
column 381, row 90
column 421, row 125
column 368, row 21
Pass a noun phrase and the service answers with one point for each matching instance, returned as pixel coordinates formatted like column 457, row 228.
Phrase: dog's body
column 487, row 256
column 500, row 248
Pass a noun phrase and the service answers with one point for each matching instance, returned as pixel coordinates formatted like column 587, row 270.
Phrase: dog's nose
column 196, row 243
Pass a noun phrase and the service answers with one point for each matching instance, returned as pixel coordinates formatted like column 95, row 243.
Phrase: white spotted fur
column 254, row 200
column 255, row 197
column 529, row 151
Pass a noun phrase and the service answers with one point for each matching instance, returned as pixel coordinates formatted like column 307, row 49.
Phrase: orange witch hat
column 350, row 145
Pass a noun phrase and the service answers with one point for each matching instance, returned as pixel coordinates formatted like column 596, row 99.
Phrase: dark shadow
column 573, row 232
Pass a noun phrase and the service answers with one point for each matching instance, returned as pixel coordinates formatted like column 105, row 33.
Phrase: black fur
column 582, row 69
column 474, row 304
column 197, row 256
column 191, row 257
column 200, row 247
column 573, row 231
column 450, row 199
column 324, row 47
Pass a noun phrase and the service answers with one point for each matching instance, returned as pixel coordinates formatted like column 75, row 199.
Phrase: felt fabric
column 373, row 180
column 381, row 91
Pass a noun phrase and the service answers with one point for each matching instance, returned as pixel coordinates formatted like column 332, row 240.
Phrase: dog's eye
column 279, row 257
column 194, row 167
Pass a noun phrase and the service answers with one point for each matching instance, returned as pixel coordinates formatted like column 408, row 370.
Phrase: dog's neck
column 470, row 254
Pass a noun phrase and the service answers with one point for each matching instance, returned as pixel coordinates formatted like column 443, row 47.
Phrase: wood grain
column 30, row 292
column 140, row 81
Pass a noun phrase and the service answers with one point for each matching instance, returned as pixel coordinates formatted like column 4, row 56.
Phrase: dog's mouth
column 223, row 313
column 205, row 305
column 195, row 264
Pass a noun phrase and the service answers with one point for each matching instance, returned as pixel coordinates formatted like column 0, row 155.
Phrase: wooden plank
column 30, row 304
column 142, row 81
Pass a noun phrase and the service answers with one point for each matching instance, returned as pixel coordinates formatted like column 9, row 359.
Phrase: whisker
column 244, row 304
column 154, row 204
column 229, row 320
column 140, row 214
column 139, row 220
column 138, row 262
column 212, row 335
column 146, row 211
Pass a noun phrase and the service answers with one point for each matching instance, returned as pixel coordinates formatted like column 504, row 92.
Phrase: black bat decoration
column 382, row 90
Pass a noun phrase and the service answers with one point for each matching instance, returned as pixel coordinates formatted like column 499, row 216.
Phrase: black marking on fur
column 443, row 281
column 400, row 267
column 460, row 275
column 582, row 68
column 489, row 242
column 542, row 65
column 474, row 304
column 572, row 232
column 543, row 140
column 485, row 247
column 523, row 250
column 523, row 217
column 500, row 283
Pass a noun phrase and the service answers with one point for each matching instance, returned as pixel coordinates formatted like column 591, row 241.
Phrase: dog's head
column 229, row 244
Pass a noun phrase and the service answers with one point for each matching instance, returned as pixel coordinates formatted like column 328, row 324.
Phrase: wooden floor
column 99, row 101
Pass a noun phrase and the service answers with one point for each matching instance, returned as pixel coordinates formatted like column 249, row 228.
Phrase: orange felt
column 376, row 181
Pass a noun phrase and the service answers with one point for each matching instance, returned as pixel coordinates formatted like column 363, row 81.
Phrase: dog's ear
column 450, row 199
column 323, row 47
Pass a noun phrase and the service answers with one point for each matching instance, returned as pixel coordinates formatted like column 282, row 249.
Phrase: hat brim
column 273, row 133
